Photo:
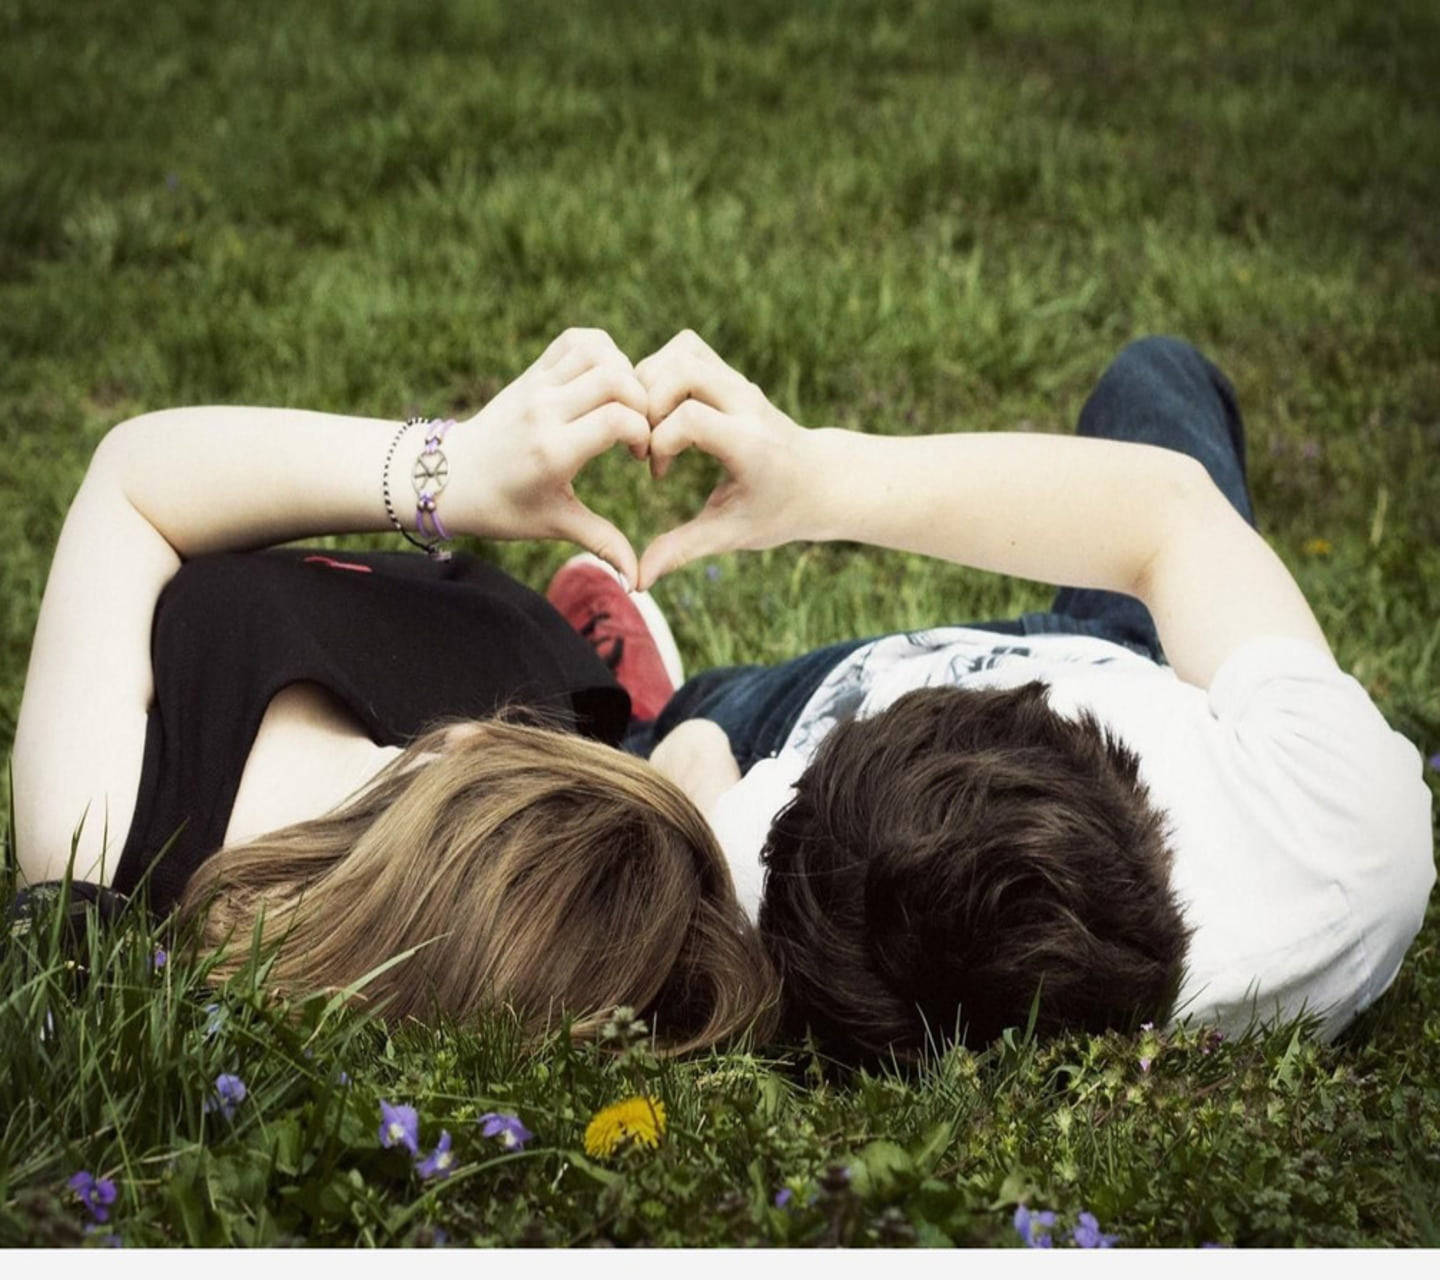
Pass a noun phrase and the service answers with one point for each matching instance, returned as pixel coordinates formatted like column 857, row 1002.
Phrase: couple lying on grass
column 1160, row 800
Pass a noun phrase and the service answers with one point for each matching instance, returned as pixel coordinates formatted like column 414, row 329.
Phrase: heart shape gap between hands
column 582, row 396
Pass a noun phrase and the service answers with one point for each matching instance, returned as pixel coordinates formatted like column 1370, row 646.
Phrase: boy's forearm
column 1058, row 509
column 229, row 479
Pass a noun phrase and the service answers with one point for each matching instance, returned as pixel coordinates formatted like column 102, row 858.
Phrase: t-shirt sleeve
column 1350, row 790
column 741, row 819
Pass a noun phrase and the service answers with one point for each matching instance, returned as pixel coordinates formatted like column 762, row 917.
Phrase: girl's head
column 532, row 869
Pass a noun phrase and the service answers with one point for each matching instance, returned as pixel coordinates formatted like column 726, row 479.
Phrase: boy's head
column 948, row 859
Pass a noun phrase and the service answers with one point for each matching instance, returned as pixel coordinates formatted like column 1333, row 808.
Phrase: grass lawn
column 902, row 217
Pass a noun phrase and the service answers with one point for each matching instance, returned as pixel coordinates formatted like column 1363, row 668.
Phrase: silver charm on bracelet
column 428, row 477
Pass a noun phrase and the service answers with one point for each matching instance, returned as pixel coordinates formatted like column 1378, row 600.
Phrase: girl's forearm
column 1059, row 509
column 230, row 479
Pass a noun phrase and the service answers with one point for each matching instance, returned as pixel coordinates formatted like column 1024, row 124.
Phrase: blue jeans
column 1158, row 391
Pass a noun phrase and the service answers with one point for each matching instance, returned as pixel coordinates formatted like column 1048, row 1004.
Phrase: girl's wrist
column 410, row 494
column 438, row 482
column 468, row 503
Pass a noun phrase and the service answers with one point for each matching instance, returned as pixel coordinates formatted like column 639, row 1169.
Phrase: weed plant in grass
column 901, row 217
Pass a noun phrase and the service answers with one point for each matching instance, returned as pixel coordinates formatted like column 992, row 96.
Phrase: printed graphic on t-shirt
column 953, row 657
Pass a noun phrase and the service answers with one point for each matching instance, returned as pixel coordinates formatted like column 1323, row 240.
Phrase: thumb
column 706, row 535
column 597, row 535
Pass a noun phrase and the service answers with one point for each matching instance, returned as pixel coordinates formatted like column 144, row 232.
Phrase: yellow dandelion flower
column 1318, row 547
column 639, row 1120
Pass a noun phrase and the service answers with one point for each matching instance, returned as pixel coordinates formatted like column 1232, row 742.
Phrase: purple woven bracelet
column 437, row 470
column 428, row 477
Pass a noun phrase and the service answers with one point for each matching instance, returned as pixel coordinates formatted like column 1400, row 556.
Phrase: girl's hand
column 526, row 446
column 695, row 398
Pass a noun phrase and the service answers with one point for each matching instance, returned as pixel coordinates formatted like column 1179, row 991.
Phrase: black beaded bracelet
column 422, row 476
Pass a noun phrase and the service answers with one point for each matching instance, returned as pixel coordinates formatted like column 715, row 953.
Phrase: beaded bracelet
column 428, row 477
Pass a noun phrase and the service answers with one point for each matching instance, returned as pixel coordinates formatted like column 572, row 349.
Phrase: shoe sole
column 650, row 614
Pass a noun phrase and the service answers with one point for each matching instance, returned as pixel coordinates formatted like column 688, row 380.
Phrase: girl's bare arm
column 170, row 485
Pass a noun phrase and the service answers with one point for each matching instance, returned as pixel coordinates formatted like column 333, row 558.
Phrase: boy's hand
column 695, row 398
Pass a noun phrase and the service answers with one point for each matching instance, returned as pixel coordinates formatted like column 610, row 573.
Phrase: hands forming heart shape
column 582, row 396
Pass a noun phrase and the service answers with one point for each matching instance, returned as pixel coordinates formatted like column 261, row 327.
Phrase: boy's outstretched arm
column 1069, row 511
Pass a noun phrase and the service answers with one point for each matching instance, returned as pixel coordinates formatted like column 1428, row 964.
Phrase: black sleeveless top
column 402, row 640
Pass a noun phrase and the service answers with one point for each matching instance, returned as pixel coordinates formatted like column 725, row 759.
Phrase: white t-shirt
column 1299, row 821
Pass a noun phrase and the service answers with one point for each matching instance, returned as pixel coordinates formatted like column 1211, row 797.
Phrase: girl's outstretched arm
column 167, row 486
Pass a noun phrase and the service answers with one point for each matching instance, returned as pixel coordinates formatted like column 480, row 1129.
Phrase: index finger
column 594, row 343
column 685, row 341
column 692, row 376
column 612, row 423
column 693, row 423
column 685, row 345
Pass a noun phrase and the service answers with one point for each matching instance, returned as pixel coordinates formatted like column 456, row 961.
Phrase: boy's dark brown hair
column 949, row 860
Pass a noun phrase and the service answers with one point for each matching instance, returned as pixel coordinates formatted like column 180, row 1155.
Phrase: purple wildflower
column 783, row 1197
column 160, row 959
column 1087, row 1234
column 400, row 1126
column 108, row 1241
column 1144, row 1064
column 1434, row 762
column 230, row 1088
column 512, row 1134
column 1212, row 1041
column 1026, row 1223
column 96, row 1194
column 342, row 1077
column 440, row 1162
column 230, row 1092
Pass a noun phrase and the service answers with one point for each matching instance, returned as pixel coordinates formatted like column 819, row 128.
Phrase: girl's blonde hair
column 534, row 869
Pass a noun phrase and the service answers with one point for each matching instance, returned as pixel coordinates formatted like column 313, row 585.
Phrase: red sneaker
column 626, row 629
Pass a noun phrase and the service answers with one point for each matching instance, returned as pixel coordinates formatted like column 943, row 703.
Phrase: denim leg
column 757, row 706
column 1158, row 391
